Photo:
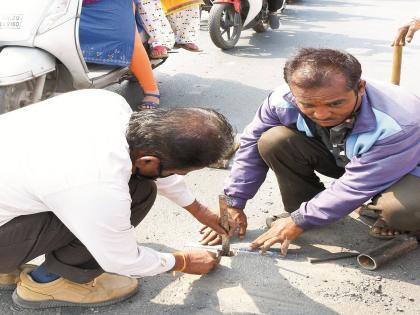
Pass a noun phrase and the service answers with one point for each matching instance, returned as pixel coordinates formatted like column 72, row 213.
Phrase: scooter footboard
column 20, row 64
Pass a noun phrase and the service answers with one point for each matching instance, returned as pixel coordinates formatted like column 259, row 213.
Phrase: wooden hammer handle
column 396, row 65
column 224, row 220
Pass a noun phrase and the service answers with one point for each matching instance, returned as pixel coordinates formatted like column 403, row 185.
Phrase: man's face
column 183, row 171
column 330, row 105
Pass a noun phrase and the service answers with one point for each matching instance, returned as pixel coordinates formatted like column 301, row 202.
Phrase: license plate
column 11, row 21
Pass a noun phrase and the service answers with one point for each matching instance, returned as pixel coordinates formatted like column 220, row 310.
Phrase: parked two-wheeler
column 228, row 18
column 40, row 53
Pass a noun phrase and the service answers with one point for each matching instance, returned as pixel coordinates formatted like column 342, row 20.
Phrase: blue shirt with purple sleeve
column 383, row 146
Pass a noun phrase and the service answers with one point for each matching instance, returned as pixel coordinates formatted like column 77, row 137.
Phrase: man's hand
column 406, row 32
column 237, row 222
column 282, row 231
column 195, row 262
column 210, row 237
column 207, row 217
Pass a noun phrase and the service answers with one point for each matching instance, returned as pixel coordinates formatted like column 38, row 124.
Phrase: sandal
column 158, row 52
column 149, row 104
column 188, row 46
column 380, row 223
column 270, row 220
column 367, row 212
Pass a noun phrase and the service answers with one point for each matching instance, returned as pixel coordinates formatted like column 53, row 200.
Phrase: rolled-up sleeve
column 175, row 189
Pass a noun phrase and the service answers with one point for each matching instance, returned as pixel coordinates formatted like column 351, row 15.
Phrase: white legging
column 179, row 27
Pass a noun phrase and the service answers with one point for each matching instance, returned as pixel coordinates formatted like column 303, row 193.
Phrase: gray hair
column 181, row 137
column 317, row 65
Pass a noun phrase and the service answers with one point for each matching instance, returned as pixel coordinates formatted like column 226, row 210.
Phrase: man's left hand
column 282, row 231
column 237, row 222
column 207, row 217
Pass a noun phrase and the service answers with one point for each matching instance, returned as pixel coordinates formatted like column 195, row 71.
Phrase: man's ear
column 147, row 163
column 361, row 89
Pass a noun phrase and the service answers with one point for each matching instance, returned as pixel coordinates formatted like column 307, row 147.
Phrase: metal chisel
column 224, row 220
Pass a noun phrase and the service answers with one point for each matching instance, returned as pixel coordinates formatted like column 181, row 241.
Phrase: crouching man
column 327, row 119
column 77, row 174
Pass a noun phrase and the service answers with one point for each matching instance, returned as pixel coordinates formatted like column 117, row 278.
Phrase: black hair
column 181, row 137
column 317, row 64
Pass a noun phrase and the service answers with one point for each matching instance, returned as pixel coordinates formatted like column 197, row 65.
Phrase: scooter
column 40, row 53
column 226, row 16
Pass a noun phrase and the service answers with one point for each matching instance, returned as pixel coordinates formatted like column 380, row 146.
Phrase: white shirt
column 69, row 155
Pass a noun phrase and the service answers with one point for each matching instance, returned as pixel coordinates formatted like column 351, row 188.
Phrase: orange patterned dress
column 171, row 6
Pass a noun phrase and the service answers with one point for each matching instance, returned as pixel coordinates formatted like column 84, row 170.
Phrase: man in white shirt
column 77, row 174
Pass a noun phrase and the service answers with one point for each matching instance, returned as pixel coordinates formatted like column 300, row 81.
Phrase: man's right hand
column 237, row 222
column 196, row 262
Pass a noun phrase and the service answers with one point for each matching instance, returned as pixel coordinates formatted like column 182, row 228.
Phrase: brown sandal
column 189, row 46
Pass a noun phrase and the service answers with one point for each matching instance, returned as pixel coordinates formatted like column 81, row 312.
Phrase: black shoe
column 269, row 220
column 273, row 21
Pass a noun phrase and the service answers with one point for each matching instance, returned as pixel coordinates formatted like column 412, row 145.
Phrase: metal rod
column 333, row 256
column 236, row 249
column 224, row 221
column 392, row 249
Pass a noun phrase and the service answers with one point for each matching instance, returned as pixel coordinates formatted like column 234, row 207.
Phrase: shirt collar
column 365, row 119
column 288, row 97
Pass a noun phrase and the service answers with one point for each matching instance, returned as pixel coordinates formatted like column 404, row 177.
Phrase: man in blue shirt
column 327, row 119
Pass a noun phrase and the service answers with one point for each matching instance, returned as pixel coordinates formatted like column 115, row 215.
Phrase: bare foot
column 385, row 231
column 381, row 229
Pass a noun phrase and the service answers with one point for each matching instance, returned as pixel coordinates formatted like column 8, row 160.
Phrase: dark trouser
column 274, row 5
column 294, row 157
column 27, row 237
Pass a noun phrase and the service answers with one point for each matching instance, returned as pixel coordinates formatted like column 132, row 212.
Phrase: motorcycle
column 227, row 18
column 40, row 53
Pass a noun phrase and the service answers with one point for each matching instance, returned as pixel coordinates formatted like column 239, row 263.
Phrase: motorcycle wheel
column 14, row 96
column 224, row 25
column 261, row 27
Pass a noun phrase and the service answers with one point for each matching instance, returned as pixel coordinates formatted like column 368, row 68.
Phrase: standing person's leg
column 398, row 208
column 186, row 27
column 161, row 38
column 294, row 157
column 142, row 69
column 273, row 18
